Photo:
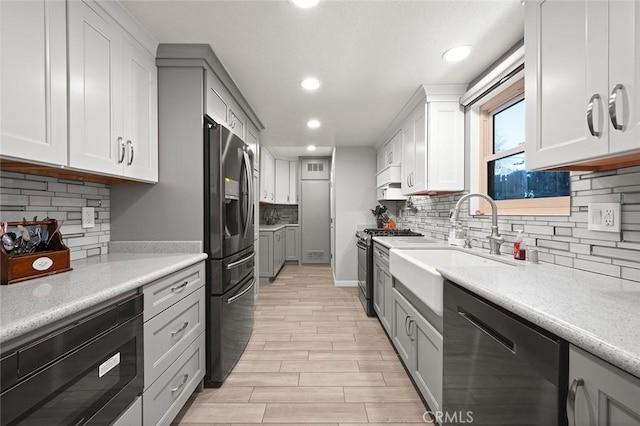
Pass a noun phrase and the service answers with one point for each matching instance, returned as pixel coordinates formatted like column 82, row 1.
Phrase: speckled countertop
column 277, row 227
column 407, row 242
column 600, row 314
column 30, row 305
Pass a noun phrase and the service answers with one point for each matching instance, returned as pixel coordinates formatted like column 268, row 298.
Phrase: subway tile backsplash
column 561, row 240
column 288, row 213
column 24, row 195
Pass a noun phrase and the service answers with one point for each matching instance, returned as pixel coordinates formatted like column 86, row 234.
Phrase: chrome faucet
column 495, row 240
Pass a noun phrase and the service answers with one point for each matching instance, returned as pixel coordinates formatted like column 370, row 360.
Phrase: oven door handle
column 362, row 246
column 239, row 295
column 241, row 261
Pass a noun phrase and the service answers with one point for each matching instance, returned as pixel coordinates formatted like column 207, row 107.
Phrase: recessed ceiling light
column 313, row 124
column 310, row 84
column 311, row 148
column 457, row 53
column 305, row 4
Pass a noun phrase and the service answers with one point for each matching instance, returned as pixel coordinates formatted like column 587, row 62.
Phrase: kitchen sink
column 417, row 270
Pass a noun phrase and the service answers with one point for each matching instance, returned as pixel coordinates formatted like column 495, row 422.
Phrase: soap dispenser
column 519, row 247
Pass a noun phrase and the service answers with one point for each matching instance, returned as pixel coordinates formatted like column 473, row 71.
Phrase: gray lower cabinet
column 382, row 286
column 174, row 343
column 292, row 246
column 603, row 394
column 133, row 415
column 272, row 252
column 419, row 345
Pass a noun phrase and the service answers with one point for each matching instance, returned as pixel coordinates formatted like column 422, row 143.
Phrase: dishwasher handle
column 488, row 330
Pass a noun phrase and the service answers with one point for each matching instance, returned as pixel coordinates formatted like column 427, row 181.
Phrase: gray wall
column 355, row 194
column 172, row 209
column 24, row 195
column 561, row 240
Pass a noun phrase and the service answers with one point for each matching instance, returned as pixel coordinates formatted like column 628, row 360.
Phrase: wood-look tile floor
column 314, row 358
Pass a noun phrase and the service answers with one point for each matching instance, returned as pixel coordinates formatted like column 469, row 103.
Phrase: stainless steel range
column 364, row 241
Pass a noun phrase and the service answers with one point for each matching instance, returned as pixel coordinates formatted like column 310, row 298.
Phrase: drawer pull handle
column 181, row 329
column 180, row 287
column 184, row 380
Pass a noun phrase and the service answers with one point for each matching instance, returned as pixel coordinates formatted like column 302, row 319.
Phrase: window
column 503, row 176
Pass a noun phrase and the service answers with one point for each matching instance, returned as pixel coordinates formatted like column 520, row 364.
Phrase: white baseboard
column 346, row 283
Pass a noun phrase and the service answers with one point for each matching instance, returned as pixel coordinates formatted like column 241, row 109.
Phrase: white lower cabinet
column 174, row 343
column 603, row 394
column 419, row 345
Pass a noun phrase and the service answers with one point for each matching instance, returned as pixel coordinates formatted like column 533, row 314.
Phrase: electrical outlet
column 604, row 217
column 88, row 217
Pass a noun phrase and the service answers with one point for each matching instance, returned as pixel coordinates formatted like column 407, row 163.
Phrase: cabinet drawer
column 168, row 334
column 164, row 399
column 163, row 293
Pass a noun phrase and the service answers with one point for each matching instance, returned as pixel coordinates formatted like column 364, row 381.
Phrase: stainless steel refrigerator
column 228, row 241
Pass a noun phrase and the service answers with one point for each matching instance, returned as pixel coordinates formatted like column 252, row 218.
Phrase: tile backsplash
column 288, row 213
column 562, row 240
column 24, row 195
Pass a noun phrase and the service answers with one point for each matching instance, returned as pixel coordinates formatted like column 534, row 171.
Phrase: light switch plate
column 88, row 217
column 604, row 217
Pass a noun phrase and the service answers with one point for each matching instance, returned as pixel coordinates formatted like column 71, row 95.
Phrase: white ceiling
column 370, row 56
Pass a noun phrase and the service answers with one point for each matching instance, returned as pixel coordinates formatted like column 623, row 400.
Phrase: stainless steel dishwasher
column 499, row 369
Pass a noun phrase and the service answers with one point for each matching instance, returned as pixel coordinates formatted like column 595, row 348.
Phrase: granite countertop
column 594, row 312
column 30, row 305
column 276, row 227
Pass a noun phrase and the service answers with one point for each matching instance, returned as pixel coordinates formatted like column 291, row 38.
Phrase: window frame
column 558, row 206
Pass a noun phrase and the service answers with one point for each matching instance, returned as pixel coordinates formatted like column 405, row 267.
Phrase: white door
column 140, row 112
column 445, row 157
column 33, row 99
column 96, row 142
column 566, row 72
column 624, row 75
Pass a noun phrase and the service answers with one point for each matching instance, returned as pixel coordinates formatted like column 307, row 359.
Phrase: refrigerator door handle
column 241, row 261
column 247, row 165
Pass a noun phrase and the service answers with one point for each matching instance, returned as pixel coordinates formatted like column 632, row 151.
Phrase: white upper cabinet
column 33, row 99
column 253, row 140
column 140, row 78
column 390, row 152
column 433, row 144
column 286, row 181
column 581, row 79
column 282, row 181
column 112, row 98
column 96, row 140
column 223, row 109
column 267, row 176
